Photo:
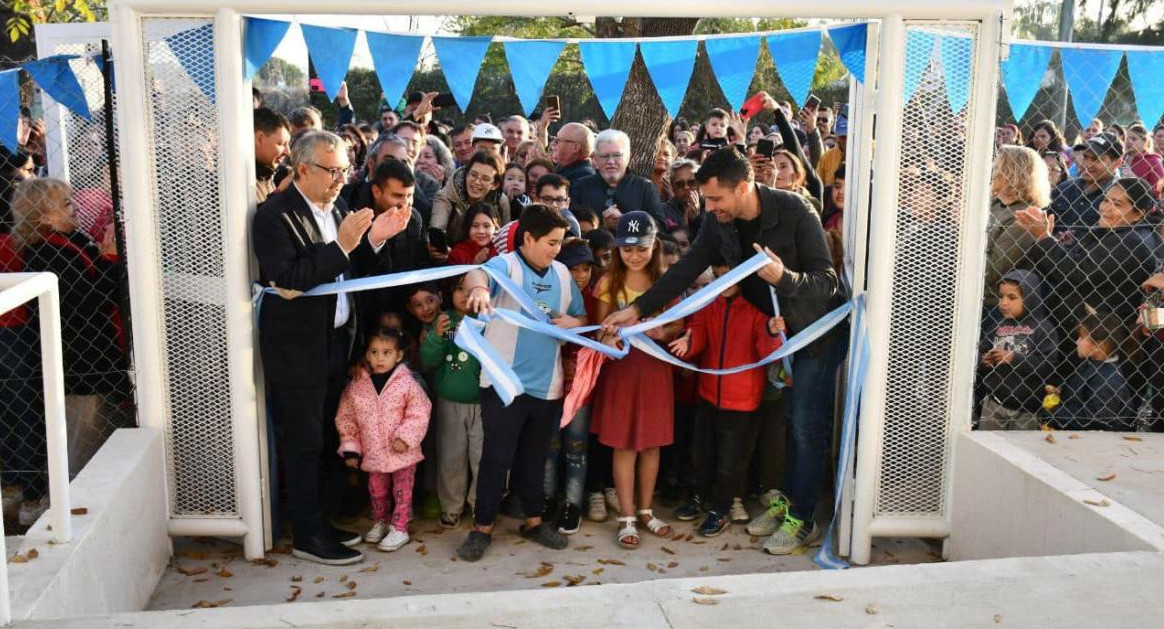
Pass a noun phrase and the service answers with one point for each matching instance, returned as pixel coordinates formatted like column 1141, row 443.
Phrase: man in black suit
column 303, row 238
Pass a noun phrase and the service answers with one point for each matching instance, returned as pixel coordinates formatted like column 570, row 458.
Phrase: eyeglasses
column 559, row 139
column 680, row 184
column 610, row 157
column 479, row 178
column 337, row 173
column 555, row 200
column 824, row 120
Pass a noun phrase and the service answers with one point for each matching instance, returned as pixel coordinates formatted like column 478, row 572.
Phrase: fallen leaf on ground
column 343, row 595
column 583, row 547
column 544, row 569
column 753, row 539
column 32, row 553
column 668, row 551
column 201, row 580
column 318, row 580
column 704, row 601
column 662, row 571
column 1050, row 438
column 703, row 568
column 708, row 590
column 296, row 578
column 372, row 568
column 228, row 589
column 611, row 562
column 407, row 582
column 689, row 537
column 79, row 510
column 351, row 585
column 184, row 570
column 551, row 584
column 422, row 549
column 195, row 555
column 998, row 619
column 224, row 573
column 1098, row 503
column 294, row 595
column 1106, row 477
column 699, row 543
column 724, row 547
column 1072, row 436
column 209, row 604
column 1125, row 438
column 737, row 547
column 574, row 579
column 597, row 571
column 320, row 595
column 652, row 567
column 828, row 597
column 723, row 559
column 673, row 564
column 269, row 562
column 871, row 609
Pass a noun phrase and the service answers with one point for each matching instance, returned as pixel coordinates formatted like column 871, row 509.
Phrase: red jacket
column 465, row 251
column 728, row 333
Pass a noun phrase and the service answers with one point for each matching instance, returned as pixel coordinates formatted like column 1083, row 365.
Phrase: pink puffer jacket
column 368, row 422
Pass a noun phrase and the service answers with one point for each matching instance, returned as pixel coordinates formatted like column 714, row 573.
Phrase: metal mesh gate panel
column 926, row 273
column 185, row 145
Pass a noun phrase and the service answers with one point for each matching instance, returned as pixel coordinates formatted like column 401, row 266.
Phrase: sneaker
column 393, row 541
column 768, row 522
column 450, row 520
column 596, row 507
column 793, row 534
column 473, row 548
column 377, row 532
column 322, row 549
column 31, row 510
column 738, row 513
column 769, row 496
column 714, row 524
column 691, row 510
column 569, row 519
column 430, row 507
column 546, row 535
column 611, row 495
column 347, row 538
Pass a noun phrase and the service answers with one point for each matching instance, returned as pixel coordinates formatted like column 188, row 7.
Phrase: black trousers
column 720, row 445
column 516, row 440
column 304, row 421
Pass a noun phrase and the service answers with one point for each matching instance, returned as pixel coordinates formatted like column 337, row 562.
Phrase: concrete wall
column 1007, row 502
column 120, row 546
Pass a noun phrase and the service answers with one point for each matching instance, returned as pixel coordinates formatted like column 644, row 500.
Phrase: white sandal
column 654, row 524
column 627, row 532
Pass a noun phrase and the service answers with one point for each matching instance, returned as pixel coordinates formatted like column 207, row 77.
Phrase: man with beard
column 389, row 146
column 272, row 139
column 614, row 192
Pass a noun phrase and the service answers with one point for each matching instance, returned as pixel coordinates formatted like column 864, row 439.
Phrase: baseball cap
column 1102, row 144
column 576, row 251
column 635, row 228
column 486, row 131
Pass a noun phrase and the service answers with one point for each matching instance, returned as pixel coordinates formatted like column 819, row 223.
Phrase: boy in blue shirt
column 517, row 436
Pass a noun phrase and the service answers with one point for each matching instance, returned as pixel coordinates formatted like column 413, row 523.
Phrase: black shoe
column 473, row 548
column 347, row 538
column 545, row 535
column 322, row 549
column 570, row 519
column 714, row 524
column 691, row 510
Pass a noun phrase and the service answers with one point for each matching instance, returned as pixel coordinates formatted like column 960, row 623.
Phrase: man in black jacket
column 571, row 150
column 613, row 191
column 305, row 236
column 751, row 217
column 359, row 195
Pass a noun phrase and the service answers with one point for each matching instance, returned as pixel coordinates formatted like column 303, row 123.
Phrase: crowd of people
column 1073, row 274
column 373, row 380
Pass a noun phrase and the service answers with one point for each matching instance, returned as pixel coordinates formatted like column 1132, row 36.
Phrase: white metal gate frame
column 237, row 185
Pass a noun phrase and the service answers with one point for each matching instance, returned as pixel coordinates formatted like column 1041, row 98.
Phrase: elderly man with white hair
column 614, row 192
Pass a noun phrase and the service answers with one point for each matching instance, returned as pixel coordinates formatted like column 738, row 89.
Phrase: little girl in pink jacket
column 382, row 418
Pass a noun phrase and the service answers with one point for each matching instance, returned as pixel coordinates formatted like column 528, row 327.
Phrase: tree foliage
column 26, row 13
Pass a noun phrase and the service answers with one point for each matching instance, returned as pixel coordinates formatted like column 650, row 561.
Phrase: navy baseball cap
column 575, row 252
column 635, row 229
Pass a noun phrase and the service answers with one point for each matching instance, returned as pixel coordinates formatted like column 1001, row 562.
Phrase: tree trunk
column 641, row 113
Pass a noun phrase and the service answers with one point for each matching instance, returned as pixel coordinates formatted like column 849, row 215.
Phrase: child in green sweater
column 455, row 378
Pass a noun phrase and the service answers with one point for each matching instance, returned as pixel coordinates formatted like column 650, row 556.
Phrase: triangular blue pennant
column 733, row 59
column 607, row 65
column 850, row 44
column 331, row 52
column 795, row 56
column 55, row 76
column 262, row 37
column 530, row 63
column 957, row 66
column 461, row 59
column 395, row 59
column 1146, row 70
column 9, row 108
column 1022, row 73
column 919, row 51
column 670, row 64
column 194, row 50
column 1089, row 73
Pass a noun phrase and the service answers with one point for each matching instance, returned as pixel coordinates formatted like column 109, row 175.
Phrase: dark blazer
column 632, row 193
column 791, row 229
column 359, row 195
column 295, row 334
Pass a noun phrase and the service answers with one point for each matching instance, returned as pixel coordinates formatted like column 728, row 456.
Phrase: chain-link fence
column 60, row 213
column 1065, row 342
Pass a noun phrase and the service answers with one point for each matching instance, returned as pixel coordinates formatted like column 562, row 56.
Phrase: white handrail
column 16, row 289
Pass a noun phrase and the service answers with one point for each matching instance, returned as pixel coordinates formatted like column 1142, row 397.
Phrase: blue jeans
column 810, row 422
column 572, row 442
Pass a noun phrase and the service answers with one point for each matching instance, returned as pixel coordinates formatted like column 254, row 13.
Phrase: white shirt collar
column 314, row 208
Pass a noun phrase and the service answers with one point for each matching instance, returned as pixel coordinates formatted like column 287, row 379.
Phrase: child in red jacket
column 727, row 333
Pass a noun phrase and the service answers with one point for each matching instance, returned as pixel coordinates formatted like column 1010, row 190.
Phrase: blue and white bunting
column 919, row 52
column 1022, row 74
column 1146, row 70
column 55, row 76
column 331, row 52
column 670, row 64
column 850, row 43
column 9, row 109
column 530, row 63
column 1089, row 73
column 733, row 60
column 607, row 65
column 395, row 58
column 957, row 68
column 461, row 59
column 795, row 56
column 261, row 39
column 194, row 50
